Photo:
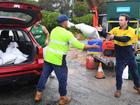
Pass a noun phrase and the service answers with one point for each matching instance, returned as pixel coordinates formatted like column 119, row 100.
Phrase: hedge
column 50, row 20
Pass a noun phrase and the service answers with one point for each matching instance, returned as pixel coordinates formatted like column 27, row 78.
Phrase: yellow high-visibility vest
column 60, row 38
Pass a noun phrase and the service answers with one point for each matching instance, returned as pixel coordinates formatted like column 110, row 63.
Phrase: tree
column 101, row 5
column 49, row 19
column 63, row 6
column 81, row 8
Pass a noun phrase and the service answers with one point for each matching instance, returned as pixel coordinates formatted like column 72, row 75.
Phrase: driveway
column 83, row 87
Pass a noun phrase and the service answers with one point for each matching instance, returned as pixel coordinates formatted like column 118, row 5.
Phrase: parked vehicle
column 15, row 18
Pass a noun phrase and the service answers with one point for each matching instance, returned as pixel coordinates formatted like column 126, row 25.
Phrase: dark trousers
column 61, row 74
column 120, row 66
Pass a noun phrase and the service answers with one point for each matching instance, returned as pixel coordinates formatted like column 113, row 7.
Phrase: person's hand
column 78, row 36
column 99, row 28
column 110, row 37
column 95, row 46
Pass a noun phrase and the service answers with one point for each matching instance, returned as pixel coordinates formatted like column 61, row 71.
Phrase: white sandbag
column 25, row 55
column 20, row 59
column 12, row 49
column 17, row 52
column 88, row 31
column 13, row 45
column 70, row 24
column 1, row 53
column 8, row 58
column 9, row 50
column 125, row 73
column 1, row 62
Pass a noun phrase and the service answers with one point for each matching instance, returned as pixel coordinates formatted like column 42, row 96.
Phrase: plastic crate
column 98, row 42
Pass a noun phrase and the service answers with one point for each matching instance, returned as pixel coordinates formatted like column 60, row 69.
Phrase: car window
column 15, row 35
column 5, row 35
column 22, row 36
column 18, row 16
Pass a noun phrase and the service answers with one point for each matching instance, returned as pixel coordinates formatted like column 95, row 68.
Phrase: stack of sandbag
column 88, row 31
column 13, row 55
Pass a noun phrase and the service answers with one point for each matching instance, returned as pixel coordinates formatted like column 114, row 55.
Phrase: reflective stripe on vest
column 56, row 51
column 71, row 41
column 58, row 42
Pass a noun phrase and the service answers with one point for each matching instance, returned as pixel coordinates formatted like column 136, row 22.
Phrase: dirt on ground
column 82, row 86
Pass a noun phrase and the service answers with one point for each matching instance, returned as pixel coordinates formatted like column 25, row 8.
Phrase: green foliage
column 87, row 19
column 80, row 8
column 49, row 19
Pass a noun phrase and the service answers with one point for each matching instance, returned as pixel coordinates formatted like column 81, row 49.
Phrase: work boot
column 138, row 89
column 64, row 100
column 38, row 96
column 117, row 93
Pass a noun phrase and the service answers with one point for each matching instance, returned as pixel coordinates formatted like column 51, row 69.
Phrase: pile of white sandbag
column 12, row 55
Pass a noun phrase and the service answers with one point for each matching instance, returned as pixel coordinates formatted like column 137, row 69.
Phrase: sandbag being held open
column 88, row 31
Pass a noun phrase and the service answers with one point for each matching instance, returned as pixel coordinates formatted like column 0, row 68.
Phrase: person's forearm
column 86, row 47
column 47, row 36
column 103, row 33
column 46, row 32
column 122, row 39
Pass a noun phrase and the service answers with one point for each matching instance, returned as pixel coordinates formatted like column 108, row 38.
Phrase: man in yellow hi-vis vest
column 124, row 36
column 60, row 38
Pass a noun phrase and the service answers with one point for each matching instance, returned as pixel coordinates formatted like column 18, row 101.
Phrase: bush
column 87, row 19
column 81, row 8
column 49, row 19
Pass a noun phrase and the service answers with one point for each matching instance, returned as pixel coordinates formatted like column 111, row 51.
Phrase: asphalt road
column 83, row 87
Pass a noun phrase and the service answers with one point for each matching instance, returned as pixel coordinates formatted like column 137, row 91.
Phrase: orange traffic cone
column 100, row 72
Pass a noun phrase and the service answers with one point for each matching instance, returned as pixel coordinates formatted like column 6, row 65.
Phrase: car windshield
column 15, row 15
